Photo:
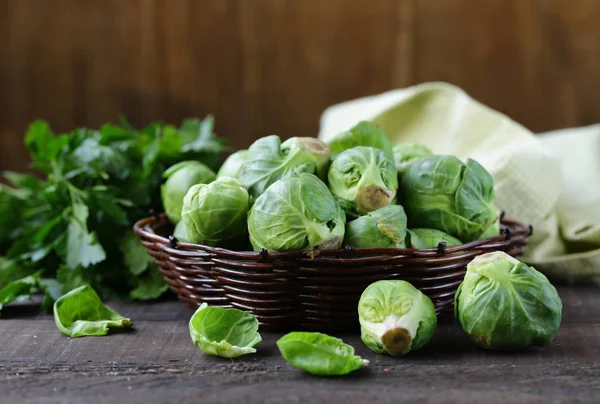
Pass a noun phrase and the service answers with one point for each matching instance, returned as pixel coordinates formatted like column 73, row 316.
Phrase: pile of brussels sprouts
column 356, row 190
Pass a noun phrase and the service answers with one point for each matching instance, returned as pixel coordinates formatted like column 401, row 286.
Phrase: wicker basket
column 310, row 290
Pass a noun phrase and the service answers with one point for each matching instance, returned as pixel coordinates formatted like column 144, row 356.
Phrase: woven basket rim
column 145, row 228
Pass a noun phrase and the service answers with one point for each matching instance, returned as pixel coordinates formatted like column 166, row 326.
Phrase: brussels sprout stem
column 373, row 197
column 319, row 150
column 314, row 146
column 396, row 340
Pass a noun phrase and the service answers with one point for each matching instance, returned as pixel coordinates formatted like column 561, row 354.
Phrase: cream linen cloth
column 551, row 181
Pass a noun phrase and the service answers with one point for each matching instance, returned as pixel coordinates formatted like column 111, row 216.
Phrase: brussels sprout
column 180, row 232
column 232, row 164
column 442, row 192
column 180, row 178
column 405, row 154
column 494, row 229
column 227, row 333
column 413, row 240
column 215, row 214
column 430, row 238
column 507, row 305
column 382, row 228
column 395, row 317
column 319, row 354
column 269, row 160
column 296, row 213
column 363, row 179
column 364, row 133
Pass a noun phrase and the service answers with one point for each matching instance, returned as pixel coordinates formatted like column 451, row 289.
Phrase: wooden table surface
column 157, row 362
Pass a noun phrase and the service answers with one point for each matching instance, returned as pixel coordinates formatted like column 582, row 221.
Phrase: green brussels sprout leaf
column 494, row 229
column 227, row 333
column 505, row 304
column 232, row 164
column 363, row 179
column 179, row 179
column 430, row 238
column 442, row 192
column 215, row 214
column 395, row 317
column 413, row 240
column 180, row 232
column 405, row 154
column 269, row 160
column 382, row 228
column 319, row 354
column 296, row 213
column 81, row 313
column 364, row 133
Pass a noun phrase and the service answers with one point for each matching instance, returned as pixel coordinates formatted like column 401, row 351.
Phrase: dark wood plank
column 272, row 66
column 157, row 362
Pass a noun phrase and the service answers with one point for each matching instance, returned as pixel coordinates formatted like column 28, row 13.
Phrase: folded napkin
column 551, row 181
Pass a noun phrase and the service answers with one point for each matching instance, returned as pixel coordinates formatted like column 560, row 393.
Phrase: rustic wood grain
column 272, row 66
column 157, row 362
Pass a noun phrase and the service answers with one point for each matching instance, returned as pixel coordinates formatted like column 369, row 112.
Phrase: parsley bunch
column 73, row 226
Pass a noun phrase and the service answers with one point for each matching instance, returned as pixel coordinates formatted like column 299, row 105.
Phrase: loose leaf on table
column 81, row 313
column 228, row 333
column 319, row 354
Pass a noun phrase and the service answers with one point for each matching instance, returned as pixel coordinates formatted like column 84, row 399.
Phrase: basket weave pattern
column 310, row 290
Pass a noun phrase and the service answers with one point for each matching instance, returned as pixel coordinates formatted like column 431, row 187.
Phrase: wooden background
column 272, row 66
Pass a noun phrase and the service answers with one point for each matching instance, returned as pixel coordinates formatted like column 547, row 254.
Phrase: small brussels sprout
column 363, row 179
column 405, row 154
column 180, row 178
column 382, row 228
column 364, row 133
column 232, row 164
column 269, row 160
column 319, row 354
column 296, row 213
column 395, row 317
column 442, row 192
column 215, row 214
column 430, row 238
column 227, row 333
column 507, row 305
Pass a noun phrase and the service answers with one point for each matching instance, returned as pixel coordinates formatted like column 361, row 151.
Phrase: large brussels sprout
column 395, row 317
column 382, row 228
column 215, row 214
column 405, row 154
column 506, row 304
column 296, row 213
column 180, row 178
column 269, row 160
column 430, row 238
column 364, row 133
column 442, row 192
column 232, row 164
column 363, row 179
column 180, row 232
